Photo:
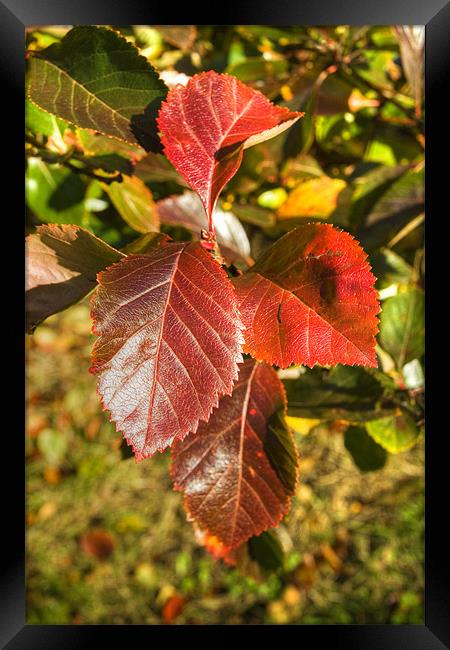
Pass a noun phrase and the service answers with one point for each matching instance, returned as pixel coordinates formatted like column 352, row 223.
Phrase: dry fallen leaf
column 331, row 557
column 98, row 543
column 173, row 608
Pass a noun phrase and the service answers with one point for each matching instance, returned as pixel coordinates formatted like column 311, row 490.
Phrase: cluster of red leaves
column 172, row 327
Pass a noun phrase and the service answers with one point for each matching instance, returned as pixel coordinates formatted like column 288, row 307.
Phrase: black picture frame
column 435, row 15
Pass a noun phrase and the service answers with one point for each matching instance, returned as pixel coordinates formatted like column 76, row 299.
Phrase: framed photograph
column 225, row 360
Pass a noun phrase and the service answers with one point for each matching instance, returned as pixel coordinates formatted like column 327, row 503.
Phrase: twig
column 414, row 223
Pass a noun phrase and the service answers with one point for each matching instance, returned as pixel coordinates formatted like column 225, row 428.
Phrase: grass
column 353, row 541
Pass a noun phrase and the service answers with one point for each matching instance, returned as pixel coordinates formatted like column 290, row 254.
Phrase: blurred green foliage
column 356, row 160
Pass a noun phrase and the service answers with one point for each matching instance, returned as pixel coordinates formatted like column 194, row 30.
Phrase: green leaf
column 395, row 433
column 156, row 168
column 381, row 152
column 366, row 453
column 392, row 145
column 266, row 550
column 54, row 193
column 257, row 68
column 300, row 136
column 236, row 53
column 254, row 214
column 98, row 144
column 272, row 199
column 108, row 162
column 402, row 326
column 94, row 78
column 333, row 96
column 94, row 202
column 280, row 449
column 125, row 450
column 267, row 33
column 383, row 37
column 149, row 41
column 52, row 445
column 375, row 66
column 339, row 138
column 369, row 186
column 300, row 168
column 134, row 202
column 344, row 393
column 38, row 121
column 390, row 268
column 146, row 243
column 402, row 201
column 41, row 39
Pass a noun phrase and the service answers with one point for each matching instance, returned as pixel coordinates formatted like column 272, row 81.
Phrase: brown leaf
column 61, row 267
column 98, row 543
column 332, row 558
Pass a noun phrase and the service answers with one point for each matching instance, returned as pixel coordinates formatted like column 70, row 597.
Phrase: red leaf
column 206, row 124
column 239, row 470
column 170, row 341
column 173, row 608
column 310, row 298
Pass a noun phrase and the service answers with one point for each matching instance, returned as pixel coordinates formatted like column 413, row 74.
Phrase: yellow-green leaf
column 313, row 198
column 134, row 202
column 395, row 433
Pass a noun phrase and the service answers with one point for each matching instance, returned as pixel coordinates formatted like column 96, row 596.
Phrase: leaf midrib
column 78, row 84
column 241, row 447
column 157, row 354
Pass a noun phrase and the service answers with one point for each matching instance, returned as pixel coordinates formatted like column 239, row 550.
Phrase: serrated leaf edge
column 106, row 29
column 288, row 505
column 238, row 359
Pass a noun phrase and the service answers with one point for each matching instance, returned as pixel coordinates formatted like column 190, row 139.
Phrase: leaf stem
column 52, row 158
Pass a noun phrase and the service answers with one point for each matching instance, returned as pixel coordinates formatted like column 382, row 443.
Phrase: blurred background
column 107, row 538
